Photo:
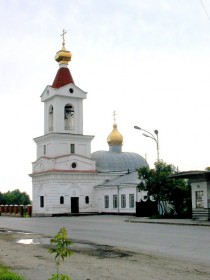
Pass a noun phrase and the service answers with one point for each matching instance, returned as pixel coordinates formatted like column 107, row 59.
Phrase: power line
column 205, row 10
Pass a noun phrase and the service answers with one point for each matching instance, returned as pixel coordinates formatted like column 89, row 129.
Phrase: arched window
column 69, row 117
column 87, row 199
column 41, row 201
column 106, row 201
column 50, row 118
column 61, row 200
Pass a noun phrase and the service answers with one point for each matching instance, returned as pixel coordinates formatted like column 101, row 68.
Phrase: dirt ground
column 92, row 262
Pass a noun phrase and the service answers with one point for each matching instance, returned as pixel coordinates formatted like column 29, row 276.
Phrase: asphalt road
column 188, row 242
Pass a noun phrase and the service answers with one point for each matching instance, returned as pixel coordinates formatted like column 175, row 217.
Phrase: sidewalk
column 183, row 222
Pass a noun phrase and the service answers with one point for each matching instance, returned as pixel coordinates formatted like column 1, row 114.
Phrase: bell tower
column 63, row 116
column 64, row 173
column 63, row 101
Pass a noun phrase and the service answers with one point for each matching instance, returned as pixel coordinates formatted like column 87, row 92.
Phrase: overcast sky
column 149, row 60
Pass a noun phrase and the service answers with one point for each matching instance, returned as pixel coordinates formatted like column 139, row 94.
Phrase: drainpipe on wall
column 136, row 196
column 118, row 199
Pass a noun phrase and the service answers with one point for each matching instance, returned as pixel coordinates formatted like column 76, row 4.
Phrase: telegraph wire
column 205, row 10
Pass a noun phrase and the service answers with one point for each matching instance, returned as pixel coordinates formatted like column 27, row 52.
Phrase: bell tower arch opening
column 69, row 117
column 50, row 118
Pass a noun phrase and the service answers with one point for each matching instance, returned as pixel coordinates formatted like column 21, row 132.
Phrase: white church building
column 66, row 177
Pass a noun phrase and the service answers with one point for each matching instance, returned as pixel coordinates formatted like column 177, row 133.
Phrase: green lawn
column 7, row 274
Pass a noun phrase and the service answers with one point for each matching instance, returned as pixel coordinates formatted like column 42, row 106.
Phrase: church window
column 74, row 165
column 115, row 201
column 123, row 201
column 42, row 201
column 61, row 200
column 50, row 118
column 68, row 117
column 199, row 199
column 131, row 200
column 71, row 90
column 72, row 148
column 106, row 201
column 44, row 149
column 87, row 199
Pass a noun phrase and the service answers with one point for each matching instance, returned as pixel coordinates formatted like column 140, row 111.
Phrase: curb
column 169, row 223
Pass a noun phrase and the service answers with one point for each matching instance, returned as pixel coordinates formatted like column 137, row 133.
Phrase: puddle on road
column 34, row 241
column 83, row 247
column 26, row 233
column 14, row 231
column 100, row 251
column 90, row 249
column 5, row 231
column 27, row 241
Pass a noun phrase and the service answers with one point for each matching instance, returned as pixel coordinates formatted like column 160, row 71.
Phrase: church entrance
column 75, row 205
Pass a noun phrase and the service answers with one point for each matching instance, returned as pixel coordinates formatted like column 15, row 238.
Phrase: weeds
column 7, row 274
column 60, row 246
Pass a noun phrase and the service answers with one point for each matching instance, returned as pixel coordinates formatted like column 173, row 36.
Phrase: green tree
column 2, row 200
column 15, row 197
column 158, row 183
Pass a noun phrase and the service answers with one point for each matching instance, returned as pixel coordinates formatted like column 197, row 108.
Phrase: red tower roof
column 62, row 78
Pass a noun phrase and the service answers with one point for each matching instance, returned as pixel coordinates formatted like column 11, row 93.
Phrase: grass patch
column 7, row 274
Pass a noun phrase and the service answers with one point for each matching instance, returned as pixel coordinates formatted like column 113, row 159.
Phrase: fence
column 16, row 210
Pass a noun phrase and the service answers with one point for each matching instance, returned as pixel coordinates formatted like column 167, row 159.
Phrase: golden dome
column 63, row 56
column 115, row 137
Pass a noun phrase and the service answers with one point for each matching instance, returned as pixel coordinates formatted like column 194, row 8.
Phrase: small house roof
column 193, row 175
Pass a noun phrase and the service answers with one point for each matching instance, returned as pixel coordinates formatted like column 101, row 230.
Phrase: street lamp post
column 150, row 135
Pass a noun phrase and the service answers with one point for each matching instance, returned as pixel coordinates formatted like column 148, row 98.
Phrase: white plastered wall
column 101, row 192
column 54, row 185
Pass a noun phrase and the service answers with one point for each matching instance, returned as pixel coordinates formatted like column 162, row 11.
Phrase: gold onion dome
column 63, row 56
column 115, row 137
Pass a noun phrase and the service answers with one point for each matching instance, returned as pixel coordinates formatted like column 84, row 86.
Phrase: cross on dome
column 63, row 43
column 115, row 138
column 63, row 56
column 114, row 115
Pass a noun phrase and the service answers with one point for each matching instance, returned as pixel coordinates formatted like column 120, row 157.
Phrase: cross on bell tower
column 63, row 43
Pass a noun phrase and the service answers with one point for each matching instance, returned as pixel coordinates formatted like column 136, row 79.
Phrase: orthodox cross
column 114, row 115
column 63, row 44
